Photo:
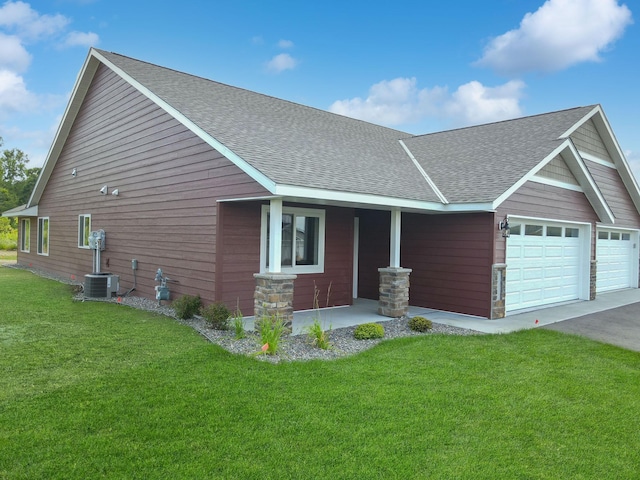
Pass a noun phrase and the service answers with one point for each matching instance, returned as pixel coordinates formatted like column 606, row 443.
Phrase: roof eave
column 22, row 211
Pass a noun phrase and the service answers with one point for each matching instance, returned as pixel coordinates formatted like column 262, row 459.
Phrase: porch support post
column 394, row 254
column 273, row 295
column 275, row 236
column 394, row 292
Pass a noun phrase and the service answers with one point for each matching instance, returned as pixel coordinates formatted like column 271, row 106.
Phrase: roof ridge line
column 430, row 182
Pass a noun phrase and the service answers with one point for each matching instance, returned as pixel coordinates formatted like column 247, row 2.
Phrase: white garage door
column 614, row 252
column 543, row 265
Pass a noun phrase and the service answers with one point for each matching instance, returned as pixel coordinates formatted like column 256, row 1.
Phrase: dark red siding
column 239, row 258
column 451, row 258
column 544, row 201
column 373, row 251
column 169, row 181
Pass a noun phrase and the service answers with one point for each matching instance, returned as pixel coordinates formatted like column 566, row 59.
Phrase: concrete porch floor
column 364, row 311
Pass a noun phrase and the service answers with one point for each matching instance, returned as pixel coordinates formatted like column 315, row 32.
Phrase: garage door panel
column 615, row 258
column 543, row 269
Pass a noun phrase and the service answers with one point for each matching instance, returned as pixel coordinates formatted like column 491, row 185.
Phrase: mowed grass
column 8, row 255
column 94, row 390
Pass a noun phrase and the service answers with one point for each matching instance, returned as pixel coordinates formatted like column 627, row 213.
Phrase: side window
column 303, row 232
column 43, row 236
column 84, row 229
column 25, row 235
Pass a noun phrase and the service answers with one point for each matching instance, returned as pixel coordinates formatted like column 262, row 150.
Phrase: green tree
column 16, row 180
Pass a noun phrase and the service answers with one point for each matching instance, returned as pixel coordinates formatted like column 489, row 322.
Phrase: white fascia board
column 24, row 212
column 430, row 182
column 594, row 159
column 579, row 123
column 254, row 173
column 579, row 170
column 556, row 183
column 298, row 193
column 85, row 76
column 510, row 191
column 611, row 142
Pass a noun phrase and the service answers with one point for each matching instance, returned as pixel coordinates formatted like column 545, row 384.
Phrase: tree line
column 16, row 184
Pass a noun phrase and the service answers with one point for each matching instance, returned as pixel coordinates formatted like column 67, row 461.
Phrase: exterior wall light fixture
column 504, row 227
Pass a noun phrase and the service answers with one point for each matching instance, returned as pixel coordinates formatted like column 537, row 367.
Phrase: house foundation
column 394, row 291
column 273, row 297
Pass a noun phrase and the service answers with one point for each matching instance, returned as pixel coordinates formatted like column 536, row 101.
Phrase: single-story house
column 203, row 179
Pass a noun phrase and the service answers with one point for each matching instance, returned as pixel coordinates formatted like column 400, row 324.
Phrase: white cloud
column 21, row 26
column 13, row 55
column 281, row 62
column 473, row 103
column 399, row 101
column 14, row 96
column 81, row 39
column 285, row 44
column 29, row 24
column 559, row 34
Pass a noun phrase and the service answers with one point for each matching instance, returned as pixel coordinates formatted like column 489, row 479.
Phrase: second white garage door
column 616, row 264
column 543, row 264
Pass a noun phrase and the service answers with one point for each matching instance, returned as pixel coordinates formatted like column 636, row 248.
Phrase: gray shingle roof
column 290, row 143
column 302, row 146
column 478, row 164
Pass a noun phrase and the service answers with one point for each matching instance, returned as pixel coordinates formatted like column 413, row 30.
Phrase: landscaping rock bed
column 292, row 347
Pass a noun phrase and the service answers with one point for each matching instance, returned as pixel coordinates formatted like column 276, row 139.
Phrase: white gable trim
column 556, row 183
column 579, row 171
column 594, row 159
column 613, row 147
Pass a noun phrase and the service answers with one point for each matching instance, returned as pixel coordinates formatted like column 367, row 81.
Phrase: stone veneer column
column 498, row 290
column 273, row 296
column 593, row 277
column 394, row 291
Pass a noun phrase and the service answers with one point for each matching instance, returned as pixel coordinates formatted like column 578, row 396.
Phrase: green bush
column 217, row 315
column 187, row 306
column 420, row 324
column 368, row 331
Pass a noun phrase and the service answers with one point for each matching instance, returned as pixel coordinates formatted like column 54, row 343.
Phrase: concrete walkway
column 364, row 311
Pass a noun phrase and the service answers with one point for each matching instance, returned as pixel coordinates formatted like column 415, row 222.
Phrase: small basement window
column 84, row 230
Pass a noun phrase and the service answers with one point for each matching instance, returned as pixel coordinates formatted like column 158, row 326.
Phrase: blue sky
column 413, row 65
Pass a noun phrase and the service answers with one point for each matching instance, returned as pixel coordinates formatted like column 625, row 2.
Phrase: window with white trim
column 303, row 231
column 43, row 236
column 25, row 235
column 84, row 230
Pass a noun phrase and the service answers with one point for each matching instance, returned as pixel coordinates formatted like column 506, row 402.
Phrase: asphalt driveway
column 618, row 326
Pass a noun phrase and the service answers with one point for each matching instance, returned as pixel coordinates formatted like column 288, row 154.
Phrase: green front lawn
column 94, row 390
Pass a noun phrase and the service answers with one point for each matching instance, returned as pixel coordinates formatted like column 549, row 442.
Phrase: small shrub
column 271, row 331
column 319, row 337
column 368, row 331
column 187, row 306
column 420, row 324
column 217, row 315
